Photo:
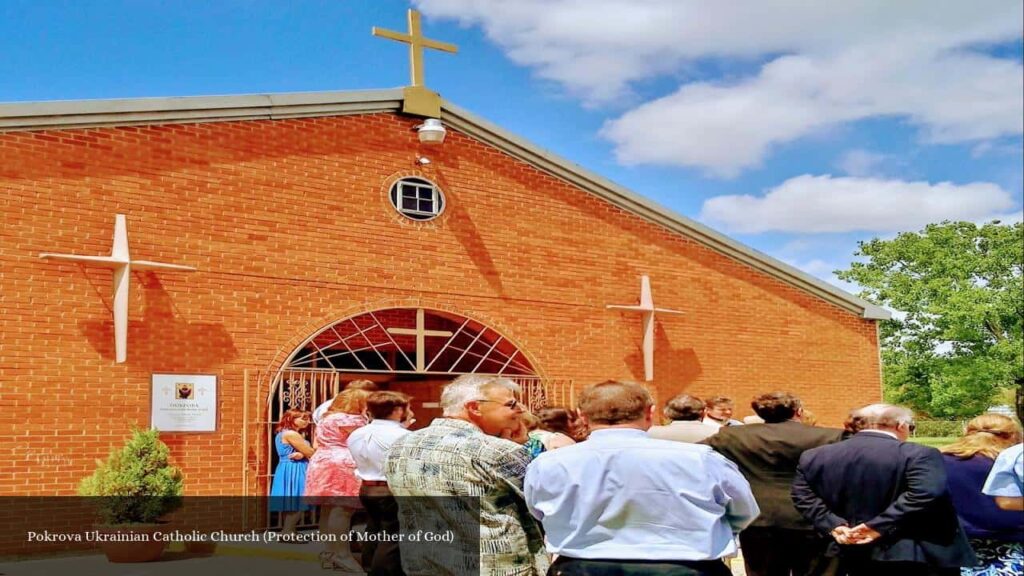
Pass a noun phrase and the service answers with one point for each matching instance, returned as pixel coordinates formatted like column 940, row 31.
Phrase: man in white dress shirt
column 369, row 446
column 623, row 502
column 718, row 412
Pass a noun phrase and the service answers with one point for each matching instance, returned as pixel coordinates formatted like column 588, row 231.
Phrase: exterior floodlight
column 431, row 131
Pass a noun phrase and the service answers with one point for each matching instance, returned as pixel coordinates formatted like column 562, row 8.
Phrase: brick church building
column 323, row 237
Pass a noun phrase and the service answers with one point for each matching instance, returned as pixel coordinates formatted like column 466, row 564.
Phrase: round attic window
column 417, row 199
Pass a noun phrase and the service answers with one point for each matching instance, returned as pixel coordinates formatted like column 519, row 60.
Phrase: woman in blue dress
column 293, row 452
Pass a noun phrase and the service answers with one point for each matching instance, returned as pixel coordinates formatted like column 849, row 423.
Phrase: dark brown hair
column 684, row 407
column 775, row 407
column 380, row 405
column 855, row 422
column 555, row 419
column 614, row 402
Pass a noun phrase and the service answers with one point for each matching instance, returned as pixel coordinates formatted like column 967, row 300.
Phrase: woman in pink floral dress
column 331, row 479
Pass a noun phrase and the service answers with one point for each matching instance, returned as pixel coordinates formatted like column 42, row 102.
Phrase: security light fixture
column 431, row 131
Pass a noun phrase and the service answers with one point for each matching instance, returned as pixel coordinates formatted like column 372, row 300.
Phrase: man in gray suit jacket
column 685, row 412
column 779, row 542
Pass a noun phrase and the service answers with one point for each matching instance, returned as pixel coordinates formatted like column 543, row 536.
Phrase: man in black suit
column 883, row 500
column 779, row 542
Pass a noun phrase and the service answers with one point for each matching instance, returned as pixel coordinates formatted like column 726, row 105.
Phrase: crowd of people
column 603, row 490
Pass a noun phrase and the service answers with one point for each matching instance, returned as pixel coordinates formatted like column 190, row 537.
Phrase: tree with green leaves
column 955, row 342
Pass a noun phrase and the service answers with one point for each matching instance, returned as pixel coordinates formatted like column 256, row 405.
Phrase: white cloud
column 827, row 63
column 858, row 162
column 726, row 128
column 817, row 267
column 1007, row 218
column 815, row 204
column 996, row 148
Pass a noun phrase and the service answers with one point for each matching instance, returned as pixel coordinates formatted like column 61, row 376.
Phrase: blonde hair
column 809, row 418
column 367, row 385
column 531, row 421
column 352, row 401
column 988, row 435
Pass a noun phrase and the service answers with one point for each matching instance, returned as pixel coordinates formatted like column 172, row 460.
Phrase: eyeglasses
column 511, row 404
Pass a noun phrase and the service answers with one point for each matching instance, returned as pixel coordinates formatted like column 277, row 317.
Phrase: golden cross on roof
column 416, row 43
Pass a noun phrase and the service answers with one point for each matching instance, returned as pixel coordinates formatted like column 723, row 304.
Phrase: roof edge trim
column 576, row 175
column 65, row 114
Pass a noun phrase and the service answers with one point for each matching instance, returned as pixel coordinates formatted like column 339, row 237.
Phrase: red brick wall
column 289, row 225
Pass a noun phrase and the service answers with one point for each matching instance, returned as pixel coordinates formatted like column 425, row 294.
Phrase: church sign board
column 183, row 403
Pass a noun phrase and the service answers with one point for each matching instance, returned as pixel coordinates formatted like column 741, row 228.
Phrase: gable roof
column 57, row 115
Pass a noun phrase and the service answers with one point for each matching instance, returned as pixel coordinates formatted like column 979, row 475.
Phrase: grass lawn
column 934, row 441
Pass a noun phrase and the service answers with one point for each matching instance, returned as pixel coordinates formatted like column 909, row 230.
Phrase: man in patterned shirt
column 462, row 457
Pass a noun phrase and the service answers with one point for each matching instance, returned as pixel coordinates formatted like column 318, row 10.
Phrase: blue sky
column 797, row 128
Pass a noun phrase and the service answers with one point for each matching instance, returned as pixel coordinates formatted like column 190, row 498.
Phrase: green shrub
column 940, row 428
column 136, row 484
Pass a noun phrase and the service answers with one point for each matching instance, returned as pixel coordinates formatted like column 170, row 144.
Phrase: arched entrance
column 411, row 350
